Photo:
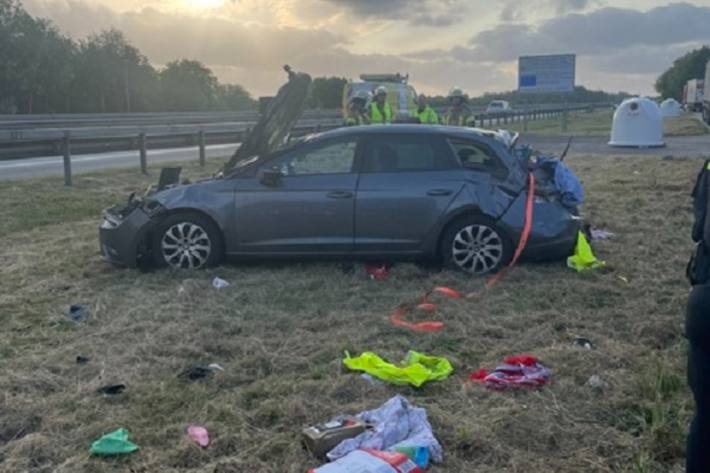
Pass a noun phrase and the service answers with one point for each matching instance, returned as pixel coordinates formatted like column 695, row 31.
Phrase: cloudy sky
column 620, row 44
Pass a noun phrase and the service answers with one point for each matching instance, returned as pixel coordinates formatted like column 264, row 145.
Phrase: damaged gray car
column 376, row 193
column 418, row 192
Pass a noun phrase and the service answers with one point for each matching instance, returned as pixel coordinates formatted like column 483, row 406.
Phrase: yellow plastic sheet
column 416, row 369
column 583, row 257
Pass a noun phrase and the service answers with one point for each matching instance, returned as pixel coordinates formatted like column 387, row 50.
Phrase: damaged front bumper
column 124, row 233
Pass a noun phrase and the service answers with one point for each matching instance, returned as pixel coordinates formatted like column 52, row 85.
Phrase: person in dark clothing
column 697, row 329
column 698, row 333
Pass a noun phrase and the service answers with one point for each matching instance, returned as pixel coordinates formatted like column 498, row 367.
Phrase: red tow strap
column 397, row 316
column 527, row 228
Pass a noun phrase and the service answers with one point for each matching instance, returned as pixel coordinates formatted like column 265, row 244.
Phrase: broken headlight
column 152, row 207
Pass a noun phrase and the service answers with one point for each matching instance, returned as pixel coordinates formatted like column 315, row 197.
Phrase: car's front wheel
column 187, row 241
column 476, row 245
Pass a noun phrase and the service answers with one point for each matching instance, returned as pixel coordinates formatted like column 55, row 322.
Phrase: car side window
column 331, row 158
column 406, row 153
column 474, row 155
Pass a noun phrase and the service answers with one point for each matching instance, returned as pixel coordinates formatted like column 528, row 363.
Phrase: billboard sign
column 546, row 74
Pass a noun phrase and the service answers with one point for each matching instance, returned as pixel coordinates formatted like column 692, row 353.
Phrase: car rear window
column 473, row 155
column 402, row 153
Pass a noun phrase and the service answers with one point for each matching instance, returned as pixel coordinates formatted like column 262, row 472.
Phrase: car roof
column 433, row 130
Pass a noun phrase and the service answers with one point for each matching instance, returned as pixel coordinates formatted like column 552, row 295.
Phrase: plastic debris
column 194, row 373
column 583, row 342
column 419, row 455
column 417, row 368
column 114, row 443
column 370, row 461
column 373, row 381
column 397, row 316
column 601, row 234
column 395, row 425
column 77, row 312
column 112, row 389
column 199, row 435
column 82, row 360
column 219, row 283
column 378, row 272
column 597, row 383
column 516, row 372
column 583, row 257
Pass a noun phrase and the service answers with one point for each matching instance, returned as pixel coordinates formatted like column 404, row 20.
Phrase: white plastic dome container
column 637, row 124
column 670, row 108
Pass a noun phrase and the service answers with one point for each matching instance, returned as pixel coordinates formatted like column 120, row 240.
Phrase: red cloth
column 516, row 372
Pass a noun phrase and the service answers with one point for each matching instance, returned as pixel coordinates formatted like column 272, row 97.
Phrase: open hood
column 277, row 120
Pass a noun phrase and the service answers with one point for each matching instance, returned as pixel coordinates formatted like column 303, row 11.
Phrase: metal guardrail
column 34, row 135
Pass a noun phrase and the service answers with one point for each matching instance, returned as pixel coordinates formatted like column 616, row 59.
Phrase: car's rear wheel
column 476, row 245
column 187, row 241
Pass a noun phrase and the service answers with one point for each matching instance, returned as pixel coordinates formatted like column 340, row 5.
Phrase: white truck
column 693, row 98
column 706, row 97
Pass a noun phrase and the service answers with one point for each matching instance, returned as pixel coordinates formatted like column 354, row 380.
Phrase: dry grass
column 598, row 123
column 280, row 331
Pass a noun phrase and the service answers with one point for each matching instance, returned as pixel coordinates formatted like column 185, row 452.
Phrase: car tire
column 475, row 245
column 187, row 240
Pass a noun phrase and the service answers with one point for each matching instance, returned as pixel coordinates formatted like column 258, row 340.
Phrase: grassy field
column 280, row 332
column 598, row 123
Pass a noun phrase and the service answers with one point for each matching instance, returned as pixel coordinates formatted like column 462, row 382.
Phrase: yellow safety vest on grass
column 417, row 368
column 380, row 116
column 583, row 257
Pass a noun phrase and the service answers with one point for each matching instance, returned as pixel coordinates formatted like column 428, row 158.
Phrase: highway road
column 589, row 145
column 54, row 165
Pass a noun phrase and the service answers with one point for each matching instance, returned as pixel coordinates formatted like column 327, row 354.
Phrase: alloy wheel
column 477, row 249
column 186, row 246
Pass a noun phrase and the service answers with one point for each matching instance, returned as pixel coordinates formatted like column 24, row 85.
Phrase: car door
column 310, row 207
column 406, row 183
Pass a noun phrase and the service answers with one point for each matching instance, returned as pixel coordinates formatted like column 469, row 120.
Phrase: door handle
column 340, row 194
column 439, row 192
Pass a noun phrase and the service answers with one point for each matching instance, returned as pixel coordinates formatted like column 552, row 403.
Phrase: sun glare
column 204, row 4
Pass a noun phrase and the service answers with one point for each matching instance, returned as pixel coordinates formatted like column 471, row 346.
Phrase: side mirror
column 270, row 177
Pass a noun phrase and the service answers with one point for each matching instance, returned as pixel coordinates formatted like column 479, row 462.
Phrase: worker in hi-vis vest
column 380, row 109
column 357, row 109
column 458, row 114
column 424, row 112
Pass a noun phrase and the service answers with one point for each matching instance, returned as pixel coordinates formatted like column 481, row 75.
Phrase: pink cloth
column 199, row 435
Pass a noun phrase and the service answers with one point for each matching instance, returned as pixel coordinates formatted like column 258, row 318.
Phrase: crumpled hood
column 280, row 116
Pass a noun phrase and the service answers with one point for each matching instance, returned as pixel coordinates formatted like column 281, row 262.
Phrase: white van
column 498, row 106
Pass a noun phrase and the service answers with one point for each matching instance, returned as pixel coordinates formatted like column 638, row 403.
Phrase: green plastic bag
column 114, row 443
column 583, row 257
column 417, row 368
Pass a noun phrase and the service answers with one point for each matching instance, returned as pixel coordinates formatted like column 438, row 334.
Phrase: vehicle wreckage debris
column 111, row 389
column 397, row 316
column 194, row 373
column 583, row 342
column 77, row 312
column 378, row 272
column 219, row 283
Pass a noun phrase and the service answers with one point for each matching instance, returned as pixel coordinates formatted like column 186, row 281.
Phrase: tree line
column 45, row 71
column 689, row 66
